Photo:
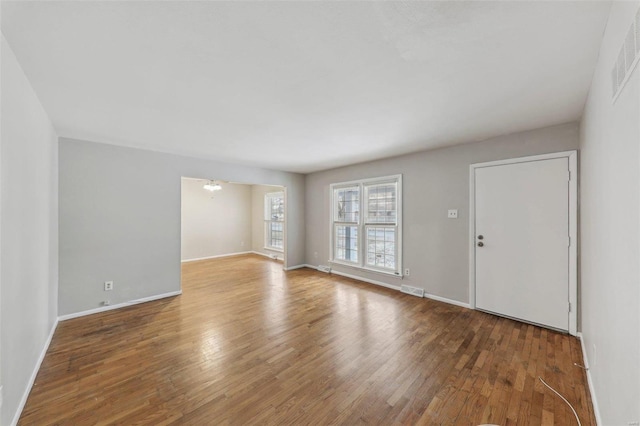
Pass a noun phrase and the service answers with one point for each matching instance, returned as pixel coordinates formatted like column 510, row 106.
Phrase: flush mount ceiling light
column 212, row 186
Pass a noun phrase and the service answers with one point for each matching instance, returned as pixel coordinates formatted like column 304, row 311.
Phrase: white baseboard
column 380, row 283
column 594, row 400
column 118, row 306
column 259, row 253
column 367, row 280
column 269, row 255
column 291, row 268
column 445, row 300
column 306, row 265
column 32, row 379
column 217, row 256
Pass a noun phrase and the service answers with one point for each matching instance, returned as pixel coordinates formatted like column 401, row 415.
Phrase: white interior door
column 522, row 241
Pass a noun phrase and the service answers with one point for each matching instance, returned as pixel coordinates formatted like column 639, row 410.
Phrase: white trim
column 472, row 237
column 259, row 253
column 278, row 194
column 393, row 287
column 285, row 233
column 573, row 249
column 445, row 300
column 119, row 305
column 216, row 256
column 292, row 268
column 32, row 379
column 572, row 157
column 371, row 270
column 361, row 224
column 528, row 159
column 306, row 265
column 366, row 269
column 594, row 400
column 366, row 280
column 269, row 255
column 381, row 179
column 273, row 249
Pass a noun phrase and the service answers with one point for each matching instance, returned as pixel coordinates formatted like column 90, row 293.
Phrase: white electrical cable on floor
column 563, row 398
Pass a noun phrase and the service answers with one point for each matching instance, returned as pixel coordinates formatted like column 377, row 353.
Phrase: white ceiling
column 305, row 86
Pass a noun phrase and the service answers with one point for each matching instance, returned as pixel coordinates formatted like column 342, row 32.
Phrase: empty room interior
column 371, row 212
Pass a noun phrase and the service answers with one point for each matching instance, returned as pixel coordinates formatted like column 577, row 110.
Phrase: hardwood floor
column 247, row 343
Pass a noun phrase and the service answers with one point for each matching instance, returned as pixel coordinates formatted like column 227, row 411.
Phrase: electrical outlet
column 108, row 285
column 315, row 254
column 407, row 272
column 106, row 302
column 452, row 214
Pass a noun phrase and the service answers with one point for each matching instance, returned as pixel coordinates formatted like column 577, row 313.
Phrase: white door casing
column 526, row 211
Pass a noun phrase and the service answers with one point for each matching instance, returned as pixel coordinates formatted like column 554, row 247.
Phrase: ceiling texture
column 305, row 86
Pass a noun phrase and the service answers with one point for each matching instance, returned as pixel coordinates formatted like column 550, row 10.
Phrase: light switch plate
column 453, row 214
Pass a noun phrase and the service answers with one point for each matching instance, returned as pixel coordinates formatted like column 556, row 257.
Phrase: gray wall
column 435, row 248
column 610, row 231
column 120, row 219
column 215, row 223
column 257, row 218
column 29, row 227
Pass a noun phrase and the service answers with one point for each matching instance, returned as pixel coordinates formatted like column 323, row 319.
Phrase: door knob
column 480, row 244
column 480, row 237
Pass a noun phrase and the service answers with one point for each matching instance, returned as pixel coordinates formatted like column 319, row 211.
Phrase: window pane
column 381, row 247
column 347, row 204
column 274, row 220
column 381, row 203
column 276, row 237
column 346, row 242
column 378, row 200
column 274, row 206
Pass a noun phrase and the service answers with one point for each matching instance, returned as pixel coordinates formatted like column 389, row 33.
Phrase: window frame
column 363, row 225
column 268, row 222
column 345, row 223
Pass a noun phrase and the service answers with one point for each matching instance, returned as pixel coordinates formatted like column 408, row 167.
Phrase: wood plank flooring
column 247, row 343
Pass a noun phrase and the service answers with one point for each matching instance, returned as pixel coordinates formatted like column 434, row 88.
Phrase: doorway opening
column 223, row 219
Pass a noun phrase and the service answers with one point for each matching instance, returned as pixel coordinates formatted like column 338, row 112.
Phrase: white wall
column 257, row 219
column 120, row 219
column 610, row 231
column 29, row 227
column 435, row 248
column 215, row 223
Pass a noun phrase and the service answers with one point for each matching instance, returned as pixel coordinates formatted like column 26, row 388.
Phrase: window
column 346, row 219
column 274, row 220
column 365, row 224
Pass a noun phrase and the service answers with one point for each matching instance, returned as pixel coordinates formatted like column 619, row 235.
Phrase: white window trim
column 279, row 194
column 361, row 264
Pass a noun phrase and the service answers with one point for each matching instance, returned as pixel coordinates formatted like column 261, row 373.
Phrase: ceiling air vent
column 627, row 58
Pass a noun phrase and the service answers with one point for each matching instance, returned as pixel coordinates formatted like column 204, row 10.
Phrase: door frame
column 572, row 157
